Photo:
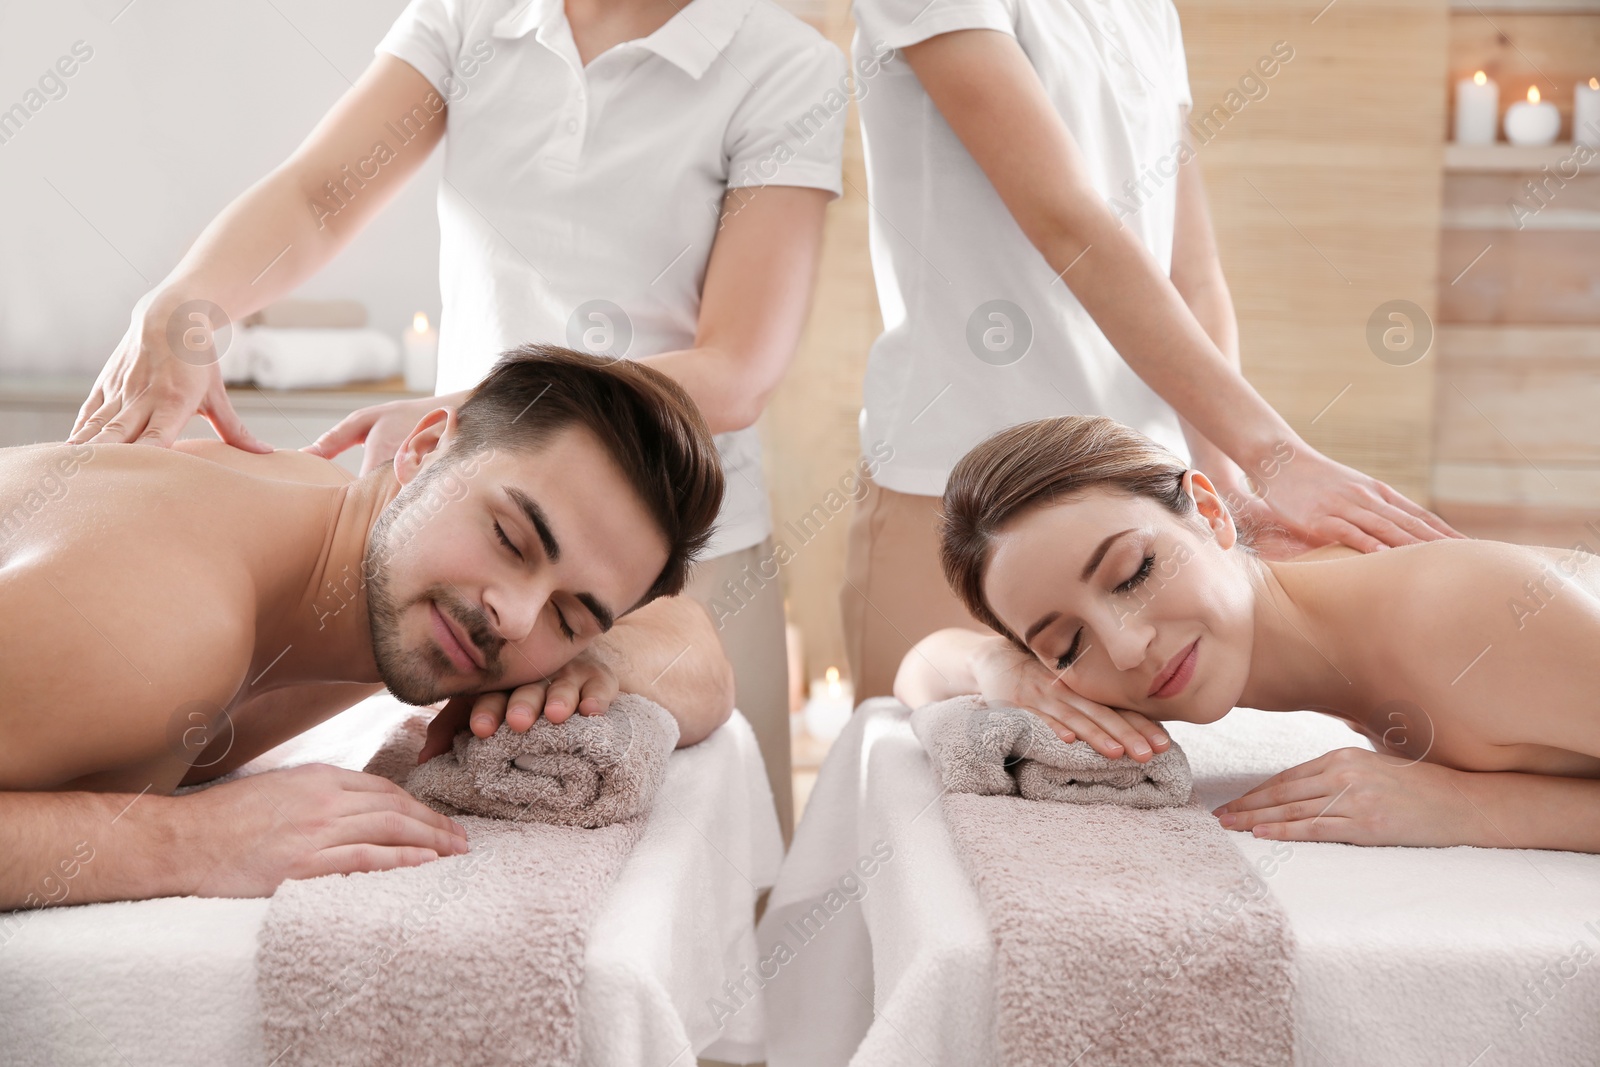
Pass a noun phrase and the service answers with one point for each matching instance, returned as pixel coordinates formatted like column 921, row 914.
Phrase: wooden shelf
column 1512, row 159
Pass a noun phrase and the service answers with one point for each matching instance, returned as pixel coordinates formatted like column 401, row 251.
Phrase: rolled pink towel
column 1005, row 750
column 592, row 770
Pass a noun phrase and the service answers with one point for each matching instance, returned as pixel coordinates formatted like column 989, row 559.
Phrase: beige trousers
column 894, row 593
column 751, row 624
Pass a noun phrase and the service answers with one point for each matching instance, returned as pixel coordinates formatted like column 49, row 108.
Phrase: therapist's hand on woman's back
column 146, row 393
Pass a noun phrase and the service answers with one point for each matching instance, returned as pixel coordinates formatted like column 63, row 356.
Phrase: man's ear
column 430, row 437
column 1213, row 512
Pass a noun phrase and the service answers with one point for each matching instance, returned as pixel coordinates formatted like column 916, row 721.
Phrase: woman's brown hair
column 1036, row 464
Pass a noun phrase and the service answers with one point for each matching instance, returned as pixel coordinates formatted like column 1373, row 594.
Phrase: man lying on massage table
column 171, row 614
column 1123, row 596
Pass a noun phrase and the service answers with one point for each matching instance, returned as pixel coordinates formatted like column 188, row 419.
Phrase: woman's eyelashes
column 1067, row 658
column 1138, row 576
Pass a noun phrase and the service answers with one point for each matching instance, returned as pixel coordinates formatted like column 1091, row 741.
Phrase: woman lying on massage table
column 1119, row 584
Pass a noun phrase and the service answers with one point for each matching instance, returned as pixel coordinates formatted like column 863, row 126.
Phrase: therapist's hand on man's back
column 148, row 390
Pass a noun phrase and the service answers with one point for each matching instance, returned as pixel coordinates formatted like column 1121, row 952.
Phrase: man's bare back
column 174, row 613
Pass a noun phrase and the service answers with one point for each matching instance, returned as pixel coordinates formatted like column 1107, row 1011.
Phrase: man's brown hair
column 648, row 424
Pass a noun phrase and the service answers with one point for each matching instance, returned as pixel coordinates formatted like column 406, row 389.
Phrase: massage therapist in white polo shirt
column 1042, row 247
column 640, row 178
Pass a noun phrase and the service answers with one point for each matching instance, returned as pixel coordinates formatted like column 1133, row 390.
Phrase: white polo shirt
column 579, row 204
column 978, row 334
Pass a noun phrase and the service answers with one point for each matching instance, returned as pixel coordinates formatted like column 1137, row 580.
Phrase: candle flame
column 1480, row 78
column 1533, row 94
column 834, row 689
column 420, row 323
column 1594, row 83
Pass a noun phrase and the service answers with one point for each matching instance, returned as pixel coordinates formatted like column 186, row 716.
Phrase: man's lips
column 453, row 641
column 1180, row 662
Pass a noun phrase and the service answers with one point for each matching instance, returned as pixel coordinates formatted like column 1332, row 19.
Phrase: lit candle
column 828, row 710
column 421, row 344
column 1586, row 114
column 1532, row 122
column 1477, row 109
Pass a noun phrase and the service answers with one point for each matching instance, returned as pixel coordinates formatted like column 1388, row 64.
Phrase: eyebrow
column 552, row 550
column 1095, row 558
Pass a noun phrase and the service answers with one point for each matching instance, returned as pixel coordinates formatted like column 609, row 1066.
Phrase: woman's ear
column 430, row 436
column 1213, row 512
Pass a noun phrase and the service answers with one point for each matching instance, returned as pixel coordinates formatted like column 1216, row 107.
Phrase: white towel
column 311, row 359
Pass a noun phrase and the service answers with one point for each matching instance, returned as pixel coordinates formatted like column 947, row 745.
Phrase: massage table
column 1403, row 955
column 172, row 981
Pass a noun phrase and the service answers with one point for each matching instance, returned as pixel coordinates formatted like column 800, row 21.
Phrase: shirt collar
column 692, row 39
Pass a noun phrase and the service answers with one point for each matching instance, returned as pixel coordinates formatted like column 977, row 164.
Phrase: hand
column 382, row 427
column 584, row 684
column 1321, row 501
column 1357, row 796
column 255, row 832
column 1005, row 673
column 146, row 394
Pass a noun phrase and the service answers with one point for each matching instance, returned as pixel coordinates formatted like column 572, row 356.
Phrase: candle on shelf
column 832, row 701
column 1586, row 114
column 1533, row 121
column 421, row 344
column 1477, row 109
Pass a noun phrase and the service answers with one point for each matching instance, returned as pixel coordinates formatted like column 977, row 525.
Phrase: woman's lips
column 446, row 637
column 1176, row 674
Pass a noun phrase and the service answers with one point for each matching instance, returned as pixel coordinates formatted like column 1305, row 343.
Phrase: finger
column 396, row 829
column 380, row 451
column 1405, row 503
column 598, row 693
column 525, row 704
column 1303, row 771
column 1153, row 732
column 350, row 431
column 1345, row 532
column 86, row 413
column 96, row 422
column 218, row 410
column 1289, row 800
column 488, row 712
column 125, row 425
column 364, row 859
column 1089, row 730
column 401, row 802
column 562, row 700
column 1116, row 736
column 444, row 727
column 1327, row 828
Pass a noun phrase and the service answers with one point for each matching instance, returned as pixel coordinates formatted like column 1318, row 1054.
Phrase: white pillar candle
column 421, row 344
column 1586, row 114
column 828, row 710
column 1532, row 121
column 1477, row 109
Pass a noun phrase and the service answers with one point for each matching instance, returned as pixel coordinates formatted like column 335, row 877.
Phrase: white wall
column 182, row 106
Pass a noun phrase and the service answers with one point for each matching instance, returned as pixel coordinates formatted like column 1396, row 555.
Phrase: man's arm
column 667, row 650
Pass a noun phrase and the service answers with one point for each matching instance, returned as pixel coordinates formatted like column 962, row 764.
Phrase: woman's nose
column 1127, row 643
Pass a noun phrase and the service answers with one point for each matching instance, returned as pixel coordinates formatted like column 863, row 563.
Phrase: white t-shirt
column 955, row 362
column 579, row 204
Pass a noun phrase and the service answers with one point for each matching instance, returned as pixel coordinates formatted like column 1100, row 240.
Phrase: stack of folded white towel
column 304, row 344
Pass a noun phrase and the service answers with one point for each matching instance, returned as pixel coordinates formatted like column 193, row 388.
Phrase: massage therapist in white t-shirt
column 1042, row 247
column 640, row 178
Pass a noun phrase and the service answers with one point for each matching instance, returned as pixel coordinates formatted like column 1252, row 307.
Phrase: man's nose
column 514, row 611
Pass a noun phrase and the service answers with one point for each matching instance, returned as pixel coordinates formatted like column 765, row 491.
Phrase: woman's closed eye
column 1067, row 658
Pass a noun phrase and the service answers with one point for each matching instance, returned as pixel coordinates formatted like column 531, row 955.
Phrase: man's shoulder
column 284, row 464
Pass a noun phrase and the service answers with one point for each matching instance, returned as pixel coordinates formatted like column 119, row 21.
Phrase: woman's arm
column 757, row 294
column 273, row 236
column 1367, row 798
column 988, row 92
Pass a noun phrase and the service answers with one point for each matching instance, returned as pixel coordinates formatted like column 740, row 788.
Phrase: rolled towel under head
column 1005, row 750
column 592, row 770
